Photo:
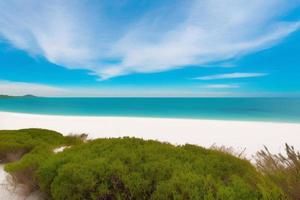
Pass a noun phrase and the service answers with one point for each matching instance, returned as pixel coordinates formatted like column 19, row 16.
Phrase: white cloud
column 21, row 88
column 70, row 34
column 231, row 76
column 59, row 31
column 221, row 86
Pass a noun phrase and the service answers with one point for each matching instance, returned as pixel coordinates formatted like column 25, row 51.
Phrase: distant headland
column 23, row 96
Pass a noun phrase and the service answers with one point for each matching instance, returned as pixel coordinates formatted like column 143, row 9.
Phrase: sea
column 243, row 109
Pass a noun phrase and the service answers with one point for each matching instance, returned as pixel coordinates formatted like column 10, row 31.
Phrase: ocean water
column 254, row 109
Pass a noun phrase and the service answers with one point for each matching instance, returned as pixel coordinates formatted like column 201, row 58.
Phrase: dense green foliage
column 129, row 168
column 36, row 144
column 13, row 144
column 283, row 170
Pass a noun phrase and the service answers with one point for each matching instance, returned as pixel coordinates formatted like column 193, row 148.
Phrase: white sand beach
column 236, row 134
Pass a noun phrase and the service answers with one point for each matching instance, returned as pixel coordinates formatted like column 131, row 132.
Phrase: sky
column 164, row 48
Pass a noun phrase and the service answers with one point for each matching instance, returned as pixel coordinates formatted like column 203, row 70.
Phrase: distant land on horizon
column 26, row 96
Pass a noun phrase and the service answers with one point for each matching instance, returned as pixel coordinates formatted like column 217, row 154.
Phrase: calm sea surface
column 257, row 109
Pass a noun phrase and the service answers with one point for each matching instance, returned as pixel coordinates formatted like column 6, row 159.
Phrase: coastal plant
column 131, row 168
column 282, row 169
column 240, row 153
column 26, row 149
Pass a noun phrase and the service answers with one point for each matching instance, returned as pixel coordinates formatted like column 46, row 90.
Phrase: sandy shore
column 236, row 134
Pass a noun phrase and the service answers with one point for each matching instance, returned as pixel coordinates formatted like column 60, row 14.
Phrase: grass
column 283, row 170
column 129, row 168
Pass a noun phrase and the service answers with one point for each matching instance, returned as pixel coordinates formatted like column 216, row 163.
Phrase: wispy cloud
column 231, row 76
column 74, row 35
column 221, row 86
column 212, row 90
column 22, row 88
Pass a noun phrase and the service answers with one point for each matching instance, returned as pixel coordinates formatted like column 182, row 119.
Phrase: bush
column 26, row 149
column 130, row 168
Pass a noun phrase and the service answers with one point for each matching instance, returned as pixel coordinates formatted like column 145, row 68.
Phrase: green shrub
column 129, row 168
column 19, row 142
column 29, row 148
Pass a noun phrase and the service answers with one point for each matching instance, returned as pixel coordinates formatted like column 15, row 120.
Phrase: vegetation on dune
column 129, row 168
column 283, row 170
column 14, row 144
column 27, row 149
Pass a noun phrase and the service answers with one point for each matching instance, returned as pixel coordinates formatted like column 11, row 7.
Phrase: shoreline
column 160, row 117
column 240, row 135
column 251, row 135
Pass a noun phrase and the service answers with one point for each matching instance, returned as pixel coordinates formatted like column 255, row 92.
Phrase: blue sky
column 150, row 48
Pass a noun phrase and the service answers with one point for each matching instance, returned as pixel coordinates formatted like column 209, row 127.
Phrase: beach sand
column 237, row 134
column 13, row 192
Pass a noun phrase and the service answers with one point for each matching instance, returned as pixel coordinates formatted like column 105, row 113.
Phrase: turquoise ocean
column 253, row 109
